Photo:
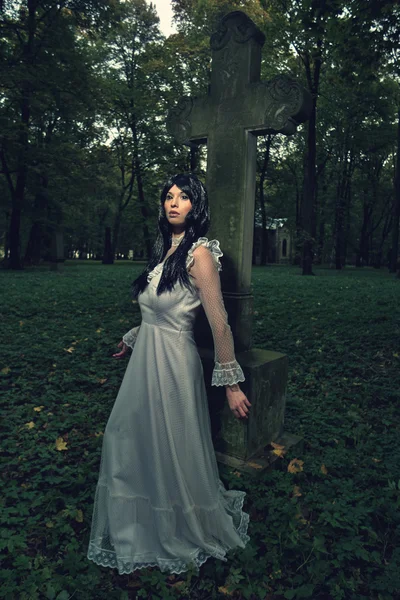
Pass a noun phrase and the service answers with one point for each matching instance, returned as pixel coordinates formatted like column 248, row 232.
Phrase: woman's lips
column 174, row 214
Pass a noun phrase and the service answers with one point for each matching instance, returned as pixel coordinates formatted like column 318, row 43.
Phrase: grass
column 329, row 530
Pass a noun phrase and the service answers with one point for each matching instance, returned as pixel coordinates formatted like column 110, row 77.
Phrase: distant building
column 279, row 242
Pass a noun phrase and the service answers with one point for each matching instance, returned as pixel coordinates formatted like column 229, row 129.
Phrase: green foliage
column 326, row 529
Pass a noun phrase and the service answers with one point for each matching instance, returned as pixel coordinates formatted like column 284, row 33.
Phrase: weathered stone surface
column 237, row 108
column 265, row 387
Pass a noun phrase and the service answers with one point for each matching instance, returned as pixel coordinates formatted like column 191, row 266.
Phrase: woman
column 159, row 499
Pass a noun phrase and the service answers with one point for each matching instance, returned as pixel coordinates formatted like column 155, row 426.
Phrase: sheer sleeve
column 204, row 265
column 130, row 337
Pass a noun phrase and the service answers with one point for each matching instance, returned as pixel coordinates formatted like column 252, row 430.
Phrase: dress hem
column 108, row 558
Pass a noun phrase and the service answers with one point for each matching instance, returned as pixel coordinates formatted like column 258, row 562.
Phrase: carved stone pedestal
column 245, row 444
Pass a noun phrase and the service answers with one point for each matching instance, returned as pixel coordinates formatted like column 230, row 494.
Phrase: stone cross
column 238, row 108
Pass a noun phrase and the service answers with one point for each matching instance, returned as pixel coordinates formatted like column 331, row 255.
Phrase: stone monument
column 237, row 108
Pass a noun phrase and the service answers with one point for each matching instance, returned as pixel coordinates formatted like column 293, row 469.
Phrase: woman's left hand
column 238, row 402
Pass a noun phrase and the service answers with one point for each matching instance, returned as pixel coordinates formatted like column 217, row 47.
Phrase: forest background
column 85, row 89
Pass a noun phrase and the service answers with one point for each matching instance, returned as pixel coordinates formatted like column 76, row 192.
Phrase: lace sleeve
column 204, row 266
column 130, row 337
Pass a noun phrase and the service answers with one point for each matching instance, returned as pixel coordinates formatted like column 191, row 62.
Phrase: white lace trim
column 227, row 373
column 213, row 245
column 156, row 271
column 108, row 558
column 130, row 338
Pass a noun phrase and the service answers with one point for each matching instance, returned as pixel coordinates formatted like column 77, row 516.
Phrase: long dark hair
column 197, row 223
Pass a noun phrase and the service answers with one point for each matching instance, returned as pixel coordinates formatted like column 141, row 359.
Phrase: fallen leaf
column 275, row 445
column 99, row 330
column 99, row 433
column 225, row 591
column 60, row 444
column 30, row 425
column 295, row 465
column 255, row 465
column 296, row 491
column 102, row 380
column 21, row 323
column 6, row 370
column 70, row 350
column 38, row 408
column 324, row 470
column 49, row 524
column 376, row 459
column 278, row 451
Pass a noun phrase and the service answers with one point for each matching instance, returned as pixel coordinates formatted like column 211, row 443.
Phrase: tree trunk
column 349, row 197
column 23, row 143
column 33, row 248
column 321, row 225
column 264, row 231
column 396, row 206
column 341, row 210
column 308, row 220
column 307, row 208
column 296, row 234
column 14, row 238
column 362, row 254
column 108, row 255
column 33, row 252
column 142, row 202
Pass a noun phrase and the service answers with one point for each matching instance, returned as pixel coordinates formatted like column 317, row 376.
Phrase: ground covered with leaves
column 325, row 525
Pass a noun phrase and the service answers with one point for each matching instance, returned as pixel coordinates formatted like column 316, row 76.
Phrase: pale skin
column 177, row 200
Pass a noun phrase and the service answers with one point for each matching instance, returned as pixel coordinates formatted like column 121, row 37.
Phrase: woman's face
column 178, row 202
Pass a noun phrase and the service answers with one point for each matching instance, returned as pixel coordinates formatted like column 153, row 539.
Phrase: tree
column 36, row 69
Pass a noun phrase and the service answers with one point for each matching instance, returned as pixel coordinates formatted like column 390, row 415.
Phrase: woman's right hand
column 123, row 351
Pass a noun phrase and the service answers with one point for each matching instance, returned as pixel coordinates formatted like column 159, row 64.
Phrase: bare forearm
column 233, row 388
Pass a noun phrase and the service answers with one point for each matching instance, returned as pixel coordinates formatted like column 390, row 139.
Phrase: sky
column 164, row 11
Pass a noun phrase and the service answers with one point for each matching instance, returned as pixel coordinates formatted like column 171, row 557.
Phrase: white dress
column 159, row 500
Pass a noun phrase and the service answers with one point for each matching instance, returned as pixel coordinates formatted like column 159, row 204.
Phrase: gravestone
column 237, row 108
column 57, row 251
